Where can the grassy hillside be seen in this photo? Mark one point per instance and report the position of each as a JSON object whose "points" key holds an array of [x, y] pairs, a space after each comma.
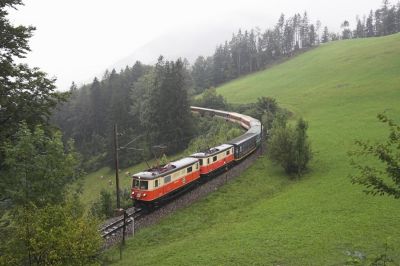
{"points": [[263, 217]]}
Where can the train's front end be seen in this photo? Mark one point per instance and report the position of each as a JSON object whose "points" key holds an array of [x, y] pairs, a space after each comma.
{"points": [[141, 187]]}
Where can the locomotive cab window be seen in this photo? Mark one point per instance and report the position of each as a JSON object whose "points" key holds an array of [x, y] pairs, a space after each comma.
{"points": [[144, 185], [156, 183], [136, 183], [189, 169], [201, 161], [214, 158], [208, 160], [228, 152]]}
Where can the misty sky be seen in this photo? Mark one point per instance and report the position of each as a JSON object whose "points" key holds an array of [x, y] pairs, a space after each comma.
{"points": [[76, 40]]}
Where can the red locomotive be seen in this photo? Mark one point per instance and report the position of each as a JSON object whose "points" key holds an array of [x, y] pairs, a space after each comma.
{"points": [[155, 184], [215, 158]]}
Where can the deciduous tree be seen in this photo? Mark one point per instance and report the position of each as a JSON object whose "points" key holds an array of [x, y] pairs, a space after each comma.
{"points": [[290, 146], [377, 164]]}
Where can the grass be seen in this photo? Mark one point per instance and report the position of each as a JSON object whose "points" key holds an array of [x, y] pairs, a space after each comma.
{"points": [[265, 218]]}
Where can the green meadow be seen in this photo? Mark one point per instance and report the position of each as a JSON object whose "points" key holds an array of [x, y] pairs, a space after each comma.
{"points": [[266, 218]]}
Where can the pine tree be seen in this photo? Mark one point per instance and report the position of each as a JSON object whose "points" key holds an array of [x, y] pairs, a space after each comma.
{"points": [[359, 32], [370, 32], [305, 31], [325, 36], [313, 35], [346, 33], [166, 114]]}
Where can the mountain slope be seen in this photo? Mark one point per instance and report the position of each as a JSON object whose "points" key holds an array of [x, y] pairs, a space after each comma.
{"points": [[265, 218]]}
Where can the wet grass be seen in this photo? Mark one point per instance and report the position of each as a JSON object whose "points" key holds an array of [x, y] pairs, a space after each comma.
{"points": [[266, 218]]}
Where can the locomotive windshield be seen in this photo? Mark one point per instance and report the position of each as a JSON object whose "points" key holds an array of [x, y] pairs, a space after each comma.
{"points": [[140, 184]]}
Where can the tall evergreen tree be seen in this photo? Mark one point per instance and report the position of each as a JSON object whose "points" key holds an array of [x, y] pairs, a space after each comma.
{"points": [[325, 35], [346, 33], [359, 31], [202, 73], [313, 35], [166, 114], [305, 31], [370, 31]]}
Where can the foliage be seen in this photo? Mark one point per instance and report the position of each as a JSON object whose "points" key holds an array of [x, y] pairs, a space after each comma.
{"points": [[210, 99], [202, 74], [103, 208], [382, 177], [213, 133], [26, 94], [92, 110], [289, 146], [105, 205], [52, 235], [37, 168], [165, 114]]}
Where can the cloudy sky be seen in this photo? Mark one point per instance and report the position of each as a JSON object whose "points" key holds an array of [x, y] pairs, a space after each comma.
{"points": [[76, 40]]}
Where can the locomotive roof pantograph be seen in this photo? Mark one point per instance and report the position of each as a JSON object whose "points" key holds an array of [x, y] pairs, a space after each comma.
{"points": [[166, 169], [212, 151]]}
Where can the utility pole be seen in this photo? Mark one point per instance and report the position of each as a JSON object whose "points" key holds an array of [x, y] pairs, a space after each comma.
{"points": [[116, 163], [262, 138]]}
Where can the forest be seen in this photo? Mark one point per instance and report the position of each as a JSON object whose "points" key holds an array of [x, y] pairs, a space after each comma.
{"points": [[142, 99]]}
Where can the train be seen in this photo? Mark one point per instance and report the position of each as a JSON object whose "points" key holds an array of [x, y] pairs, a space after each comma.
{"points": [[156, 185]]}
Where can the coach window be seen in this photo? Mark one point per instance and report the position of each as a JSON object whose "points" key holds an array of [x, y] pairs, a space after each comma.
{"points": [[197, 166], [208, 160], [214, 158], [201, 161], [227, 152], [156, 183], [144, 185], [189, 169]]}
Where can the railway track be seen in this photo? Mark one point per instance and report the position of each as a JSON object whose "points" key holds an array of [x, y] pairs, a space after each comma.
{"points": [[114, 228]]}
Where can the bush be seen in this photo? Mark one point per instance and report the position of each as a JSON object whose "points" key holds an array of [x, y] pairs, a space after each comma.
{"points": [[105, 206], [210, 99], [290, 146]]}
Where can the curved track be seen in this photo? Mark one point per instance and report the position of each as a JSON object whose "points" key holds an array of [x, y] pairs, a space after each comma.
{"points": [[253, 126]]}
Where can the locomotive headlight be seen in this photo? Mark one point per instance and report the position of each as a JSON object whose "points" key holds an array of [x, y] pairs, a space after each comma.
{"points": [[144, 195]]}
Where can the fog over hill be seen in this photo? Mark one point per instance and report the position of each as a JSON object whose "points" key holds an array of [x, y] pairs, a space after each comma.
{"points": [[186, 44], [78, 40], [192, 42]]}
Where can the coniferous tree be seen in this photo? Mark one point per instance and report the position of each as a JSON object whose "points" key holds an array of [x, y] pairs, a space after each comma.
{"points": [[359, 31], [325, 36], [370, 31], [165, 113], [313, 35], [346, 33], [305, 31], [202, 73]]}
